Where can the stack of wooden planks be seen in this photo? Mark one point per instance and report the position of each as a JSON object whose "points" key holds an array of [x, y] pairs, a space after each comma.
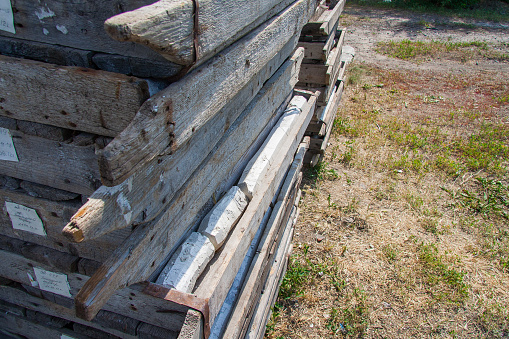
{"points": [[149, 186], [323, 70]]}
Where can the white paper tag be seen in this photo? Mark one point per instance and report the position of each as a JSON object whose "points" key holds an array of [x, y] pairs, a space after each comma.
{"points": [[52, 282], [7, 150], [24, 218], [6, 17]]}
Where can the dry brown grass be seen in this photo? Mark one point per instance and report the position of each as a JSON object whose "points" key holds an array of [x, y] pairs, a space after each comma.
{"points": [[386, 245]]}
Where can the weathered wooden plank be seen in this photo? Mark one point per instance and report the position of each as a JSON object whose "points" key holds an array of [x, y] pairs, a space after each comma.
{"points": [[136, 259], [324, 74], [317, 50], [52, 163], [54, 216], [77, 24], [324, 25], [128, 302], [33, 330], [49, 53], [217, 280], [75, 98], [223, 316], [186, 32], [151, 189], [262, 311], [172, 116], [65, 56], [239, 320]]}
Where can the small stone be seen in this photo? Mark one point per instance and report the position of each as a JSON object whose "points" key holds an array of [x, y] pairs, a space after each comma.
{"points": [[319, 237]]}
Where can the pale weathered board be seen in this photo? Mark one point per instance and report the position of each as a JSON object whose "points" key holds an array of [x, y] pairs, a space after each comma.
{"points": [[170, 118], [262, 311], [216, 281], [75, 98], [187, 31], [54, 216], [52, 163], [151, 189], [317, 50], [324, 74], [325, 24], [77, 24], [141, 254], [128, 302], [259, 269]]}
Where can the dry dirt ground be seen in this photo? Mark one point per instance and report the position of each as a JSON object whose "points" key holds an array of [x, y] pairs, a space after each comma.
{"points": [[403, 230]]}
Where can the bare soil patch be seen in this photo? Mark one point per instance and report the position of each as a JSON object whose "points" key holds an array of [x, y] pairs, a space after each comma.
{"points": [[404, 228]]}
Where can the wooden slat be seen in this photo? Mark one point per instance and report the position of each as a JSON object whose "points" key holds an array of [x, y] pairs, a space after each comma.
{"points": [[66, 56], [190, 37], [216, 282], [77, 24], [56, 164], [318, 50], [146, 192], [76, 98], [170, 118], [324, 25], [54, 216], [258, 270], [128, 302], [262, 311], [149, 244]]}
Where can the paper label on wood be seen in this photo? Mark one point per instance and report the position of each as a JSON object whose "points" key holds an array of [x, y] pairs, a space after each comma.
{"points": [[52, 282], [25, 218], [6, 17], [7, 150]]}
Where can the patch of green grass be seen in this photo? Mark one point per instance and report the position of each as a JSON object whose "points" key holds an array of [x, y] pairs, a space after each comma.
{"points": [[486, 150], [294, 281], [445, 283], [322, 171], [350, 320], [390, 252], [407, 49]]}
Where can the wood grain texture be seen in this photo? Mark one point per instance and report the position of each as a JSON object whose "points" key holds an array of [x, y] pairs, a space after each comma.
{"points": [[216, 281], [75, 98], [169, 119], [129, 302], [67, 56], [172, 29], [151, 189], [261, 313], [52, 163], [77, 24], [260, 265], [140, 255], [55, 215]]}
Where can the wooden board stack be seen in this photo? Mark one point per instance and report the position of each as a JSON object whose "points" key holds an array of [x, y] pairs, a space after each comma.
{"points": [[323, 70], [135, 174]]}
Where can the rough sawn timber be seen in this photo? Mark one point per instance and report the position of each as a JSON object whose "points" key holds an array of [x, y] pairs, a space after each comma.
{"points": [[76, 98], [53, 163], [130, 302], [187, 31], [150, 190], [138, 257], [170, 118], [77, 24], [215, 283], [54, 215]]}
